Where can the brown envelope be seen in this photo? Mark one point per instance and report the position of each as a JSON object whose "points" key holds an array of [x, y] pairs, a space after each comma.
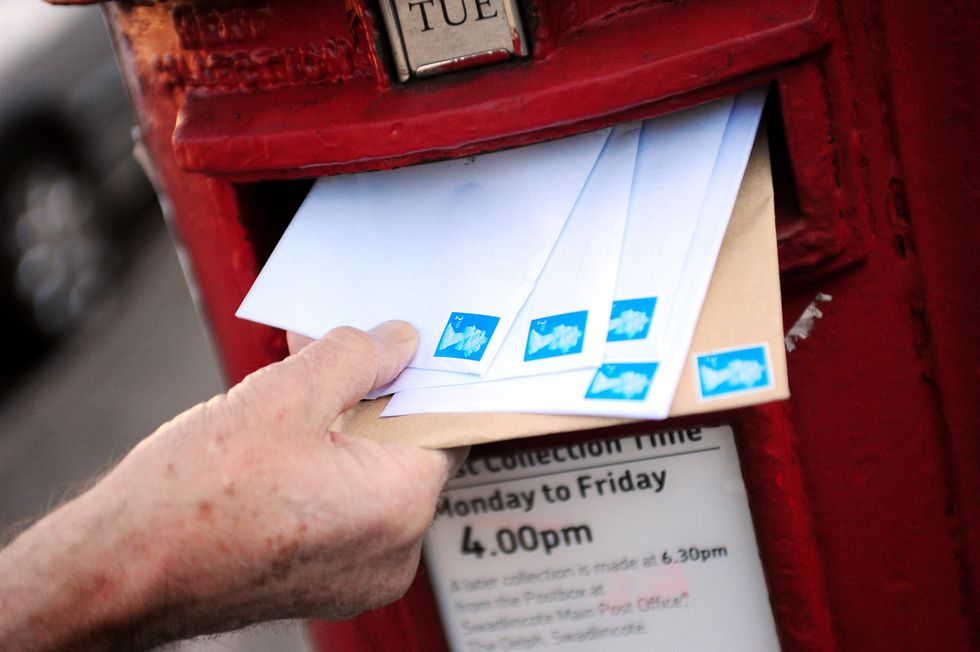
{"points": [[742, 308]]}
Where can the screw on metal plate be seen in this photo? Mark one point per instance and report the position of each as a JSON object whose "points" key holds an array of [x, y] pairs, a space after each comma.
{"points": [[429, 37]]}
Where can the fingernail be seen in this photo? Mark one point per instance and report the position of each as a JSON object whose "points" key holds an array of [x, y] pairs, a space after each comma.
{"points": [[396, 333]]}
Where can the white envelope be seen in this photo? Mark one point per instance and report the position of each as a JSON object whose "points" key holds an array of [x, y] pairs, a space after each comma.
{"points": [[726, 179], [454, 247], [674, 166], [643, 387], [564, 323]]}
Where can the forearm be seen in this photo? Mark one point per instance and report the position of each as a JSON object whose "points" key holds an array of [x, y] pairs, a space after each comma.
{"points": [[132, 563], [78, 579]]}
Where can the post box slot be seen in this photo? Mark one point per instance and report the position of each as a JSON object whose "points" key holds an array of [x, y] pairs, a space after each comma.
{"points": [[591, 63], [783, 182], [805, 179], [266, 207]]}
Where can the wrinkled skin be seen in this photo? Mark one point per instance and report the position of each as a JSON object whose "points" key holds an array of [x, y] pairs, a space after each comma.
{"points": [[243, 509]]}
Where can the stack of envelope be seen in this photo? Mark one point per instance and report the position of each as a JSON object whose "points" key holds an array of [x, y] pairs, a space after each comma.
{"points": [[563, 278]]}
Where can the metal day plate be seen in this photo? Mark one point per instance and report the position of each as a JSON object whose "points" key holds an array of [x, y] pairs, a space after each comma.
{"points": [[433, 36]]}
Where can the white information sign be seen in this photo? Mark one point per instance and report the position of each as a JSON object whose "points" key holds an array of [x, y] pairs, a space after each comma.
{"points": [[638, 543]]}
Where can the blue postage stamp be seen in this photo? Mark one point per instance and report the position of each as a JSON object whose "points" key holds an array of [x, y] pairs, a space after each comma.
{"points": [[624, 381], [733, 371], [556, 335], [466, 336], [630, 319]]}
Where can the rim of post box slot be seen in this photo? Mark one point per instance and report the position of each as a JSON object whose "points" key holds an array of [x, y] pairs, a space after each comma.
{"points": [[586, 83]]}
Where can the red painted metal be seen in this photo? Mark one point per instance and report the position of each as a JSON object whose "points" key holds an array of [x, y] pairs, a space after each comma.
{"points": [[865, 486]]}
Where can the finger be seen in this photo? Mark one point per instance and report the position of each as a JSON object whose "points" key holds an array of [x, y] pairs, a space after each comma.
{"points": [[296, 342], [440, 464], [454, 460], [341, 367], [399, 341], [445, 463]]}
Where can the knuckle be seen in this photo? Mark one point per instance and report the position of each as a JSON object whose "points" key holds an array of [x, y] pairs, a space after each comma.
{"points": [[351, 341], [352, 352], [399, 573], [376, 581], [401, 579], [416, 518], [402, 519]]}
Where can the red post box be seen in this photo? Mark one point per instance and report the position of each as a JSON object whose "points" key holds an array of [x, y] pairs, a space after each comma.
{"points": [[864, 488]]}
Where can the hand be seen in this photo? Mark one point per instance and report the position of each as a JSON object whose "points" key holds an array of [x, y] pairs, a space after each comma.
{"points": [[243, 509]]}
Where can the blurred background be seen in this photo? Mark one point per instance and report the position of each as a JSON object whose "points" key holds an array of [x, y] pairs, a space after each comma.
{"points": [[102, 343]]}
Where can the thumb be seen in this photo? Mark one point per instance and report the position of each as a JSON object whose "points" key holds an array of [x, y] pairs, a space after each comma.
{"points": [[339, 369]]}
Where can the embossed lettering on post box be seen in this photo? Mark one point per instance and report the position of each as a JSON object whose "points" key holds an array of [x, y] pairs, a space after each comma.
{"points": [[432, 36]]}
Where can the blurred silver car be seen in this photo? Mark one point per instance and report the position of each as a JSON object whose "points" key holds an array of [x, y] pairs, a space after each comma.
{"points": [[67, 177]]}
